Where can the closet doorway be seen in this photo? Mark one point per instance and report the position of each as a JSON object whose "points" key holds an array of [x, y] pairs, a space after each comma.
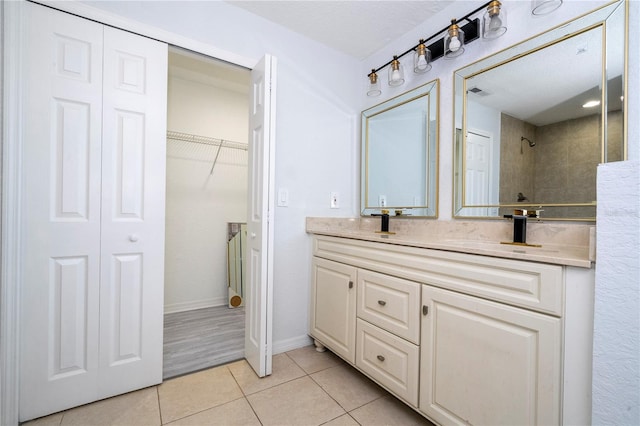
{"points": [[206, 203]]}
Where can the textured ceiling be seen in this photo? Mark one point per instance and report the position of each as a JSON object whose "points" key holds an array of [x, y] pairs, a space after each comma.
{"points": [[355, 27]]}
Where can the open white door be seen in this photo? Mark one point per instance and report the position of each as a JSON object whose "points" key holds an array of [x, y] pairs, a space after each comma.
{"points": [[259, 272]]}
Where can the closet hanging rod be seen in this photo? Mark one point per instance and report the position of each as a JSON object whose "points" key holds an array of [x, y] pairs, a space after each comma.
{"points": [[205, 140]]}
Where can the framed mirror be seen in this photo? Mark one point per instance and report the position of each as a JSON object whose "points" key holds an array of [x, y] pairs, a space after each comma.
{"points": [[400, 154], [532, 122]]}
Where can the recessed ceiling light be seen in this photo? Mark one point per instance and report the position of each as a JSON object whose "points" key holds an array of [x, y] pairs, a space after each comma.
{"points": [[591, 104]]}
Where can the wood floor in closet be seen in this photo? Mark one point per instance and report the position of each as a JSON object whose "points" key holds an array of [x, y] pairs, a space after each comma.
{"points": [[202, 338]]}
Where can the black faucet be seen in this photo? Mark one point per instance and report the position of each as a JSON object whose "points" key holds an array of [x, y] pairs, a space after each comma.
{"points": [[384, 222], [519, 228]]}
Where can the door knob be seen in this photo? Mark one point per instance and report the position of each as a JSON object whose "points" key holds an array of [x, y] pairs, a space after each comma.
{"points": [[133, 238]]}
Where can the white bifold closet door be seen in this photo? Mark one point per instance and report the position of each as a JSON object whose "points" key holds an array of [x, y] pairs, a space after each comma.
{"points": [[93, 163]]}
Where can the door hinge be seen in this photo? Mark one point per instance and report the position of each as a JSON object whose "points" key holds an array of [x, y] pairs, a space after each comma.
{"points": [[425, 310]]}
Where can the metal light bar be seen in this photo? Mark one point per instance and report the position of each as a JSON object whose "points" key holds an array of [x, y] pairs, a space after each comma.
{"points": [[471, 30]]}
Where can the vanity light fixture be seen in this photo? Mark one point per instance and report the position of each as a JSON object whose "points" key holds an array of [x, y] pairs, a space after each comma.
{"points": [[374, 84], [421, 58], [453, 41], [448, 43], [396, 73], [544, 7], [494, 20]]}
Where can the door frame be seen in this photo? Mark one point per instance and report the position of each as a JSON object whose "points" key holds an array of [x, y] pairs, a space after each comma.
{"points": [[11, 256]]}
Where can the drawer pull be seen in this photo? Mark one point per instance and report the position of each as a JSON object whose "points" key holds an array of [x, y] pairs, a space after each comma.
{"points": [[380, 358], [381, 302], [425, 310], [350, 284]]}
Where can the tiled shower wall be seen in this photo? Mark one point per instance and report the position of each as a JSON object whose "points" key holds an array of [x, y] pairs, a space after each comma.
{"points": [[561, 167]]}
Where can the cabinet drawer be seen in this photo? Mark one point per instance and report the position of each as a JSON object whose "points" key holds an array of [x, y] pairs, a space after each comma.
{"points": [[388, 359], [390, 303]]}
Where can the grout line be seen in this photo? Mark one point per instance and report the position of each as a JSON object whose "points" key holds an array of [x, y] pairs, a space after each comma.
{"points": [[159, 406]]}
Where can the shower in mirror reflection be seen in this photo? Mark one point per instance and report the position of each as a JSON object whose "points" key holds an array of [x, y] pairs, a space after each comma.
{"points": [[529, 141]]}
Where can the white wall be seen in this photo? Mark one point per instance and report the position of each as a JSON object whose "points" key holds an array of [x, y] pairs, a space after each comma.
{"points": [[199, 205]]}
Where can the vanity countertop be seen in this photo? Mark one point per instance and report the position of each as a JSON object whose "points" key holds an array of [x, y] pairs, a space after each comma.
{"points": [[568, 244]]}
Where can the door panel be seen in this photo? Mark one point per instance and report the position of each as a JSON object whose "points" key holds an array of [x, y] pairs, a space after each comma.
{"points": [[133, 211], [126, 296], [61, 200], [68, 330], [259, 266], [71, 185]]}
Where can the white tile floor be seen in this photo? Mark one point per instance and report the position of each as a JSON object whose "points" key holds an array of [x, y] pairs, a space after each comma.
{"points": [[306, 388]]}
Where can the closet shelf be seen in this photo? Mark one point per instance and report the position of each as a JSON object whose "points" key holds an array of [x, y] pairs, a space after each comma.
{"points": [[205, 140]]}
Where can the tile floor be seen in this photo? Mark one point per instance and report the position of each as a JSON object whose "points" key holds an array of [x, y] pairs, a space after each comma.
{"points": [[306, 388]]}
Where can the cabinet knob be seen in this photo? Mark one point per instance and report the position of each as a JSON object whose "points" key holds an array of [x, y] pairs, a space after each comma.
{"points": [[425, 310], [380, 358], [133, 238], [381, 302], [350, 284], [253, 235]]}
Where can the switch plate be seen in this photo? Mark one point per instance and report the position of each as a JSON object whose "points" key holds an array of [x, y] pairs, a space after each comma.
{"points": [[283, 197], [335, 200]]}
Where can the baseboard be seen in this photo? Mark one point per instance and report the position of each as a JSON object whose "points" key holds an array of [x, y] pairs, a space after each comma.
{"points": [[195, 304], [291, 344]]}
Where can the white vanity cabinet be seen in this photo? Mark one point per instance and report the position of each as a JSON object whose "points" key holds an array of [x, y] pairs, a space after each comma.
{"points": [[462, 338]]}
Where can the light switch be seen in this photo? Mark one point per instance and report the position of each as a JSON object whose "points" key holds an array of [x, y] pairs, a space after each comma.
{"points": [[335, 200], [283, 197]]}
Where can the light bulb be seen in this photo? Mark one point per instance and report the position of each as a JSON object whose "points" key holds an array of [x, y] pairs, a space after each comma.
{"points": [[422, 63], [421, 58], [454, 44], [495, 23], [396, 75]]}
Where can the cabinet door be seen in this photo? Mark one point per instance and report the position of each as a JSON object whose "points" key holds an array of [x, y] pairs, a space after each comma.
{"points": [[333, 307], [485, 363]]}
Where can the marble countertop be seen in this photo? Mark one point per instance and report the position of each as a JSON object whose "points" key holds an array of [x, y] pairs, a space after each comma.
{"points": [[561, 244]]}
